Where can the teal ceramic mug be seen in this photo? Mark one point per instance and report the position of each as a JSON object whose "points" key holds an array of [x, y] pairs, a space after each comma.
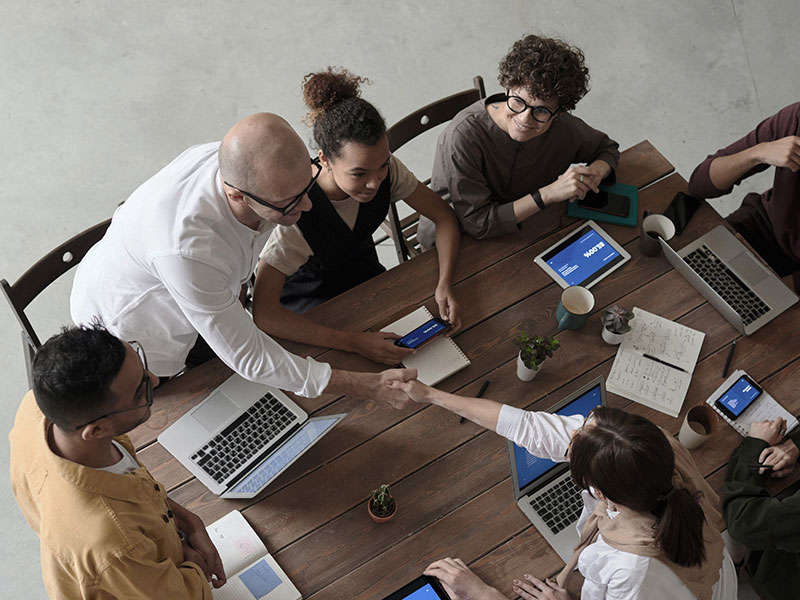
{"points": [[576, 304]]}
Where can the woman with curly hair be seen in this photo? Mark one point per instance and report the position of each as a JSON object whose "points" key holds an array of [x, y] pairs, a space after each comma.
{"points": [[504, 159], [649, 527], [330, 249]]}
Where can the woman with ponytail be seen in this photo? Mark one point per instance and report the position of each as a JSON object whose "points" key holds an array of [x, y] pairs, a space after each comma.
{"points": [[330, 249], [649, 527]]}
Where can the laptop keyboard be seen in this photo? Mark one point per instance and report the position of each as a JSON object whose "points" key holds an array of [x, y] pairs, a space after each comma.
{"points": [[559, 506], [730, 288], [244, 438]]}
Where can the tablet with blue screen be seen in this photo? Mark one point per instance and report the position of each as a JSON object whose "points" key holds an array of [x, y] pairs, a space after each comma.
{"points": [[583, 257], [422, 588]]}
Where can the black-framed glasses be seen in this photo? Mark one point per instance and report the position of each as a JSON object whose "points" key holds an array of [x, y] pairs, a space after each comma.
{"points": [[147, 383], [295, 200], [541, 114]]}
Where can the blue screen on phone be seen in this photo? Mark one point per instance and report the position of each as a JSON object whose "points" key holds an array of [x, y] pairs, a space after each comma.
{"points": [[422, 334], [739, 396]]}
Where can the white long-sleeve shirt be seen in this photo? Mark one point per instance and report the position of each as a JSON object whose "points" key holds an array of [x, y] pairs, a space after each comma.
{"points": [[609, 574], [171, 266]]}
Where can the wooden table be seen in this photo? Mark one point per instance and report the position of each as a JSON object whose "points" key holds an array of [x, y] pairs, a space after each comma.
{"points": [[451, 480]]}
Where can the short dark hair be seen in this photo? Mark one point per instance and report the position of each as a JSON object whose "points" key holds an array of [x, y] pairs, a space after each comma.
{"points": [[337, 113], [72, 373], [630, 460], [547, 69]]}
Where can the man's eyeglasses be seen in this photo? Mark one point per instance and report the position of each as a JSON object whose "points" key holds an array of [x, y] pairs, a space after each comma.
{"points": [[541, 114], [146, 383], [288, 208]]}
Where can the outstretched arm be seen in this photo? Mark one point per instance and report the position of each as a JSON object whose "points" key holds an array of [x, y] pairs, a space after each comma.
{"points": [[276, 320], [448, 238]]}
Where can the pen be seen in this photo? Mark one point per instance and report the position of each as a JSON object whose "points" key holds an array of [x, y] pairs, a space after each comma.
{"points": [[663, 362], [728, 360], [478, 395]]}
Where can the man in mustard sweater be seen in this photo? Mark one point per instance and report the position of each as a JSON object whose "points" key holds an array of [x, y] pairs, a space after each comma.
{"points": [[107, 528]]}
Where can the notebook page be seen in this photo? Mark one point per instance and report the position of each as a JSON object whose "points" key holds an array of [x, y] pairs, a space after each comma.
{"points": [[648, 382], [238, 545], [262, 580], [670, 341], [436, 360]]}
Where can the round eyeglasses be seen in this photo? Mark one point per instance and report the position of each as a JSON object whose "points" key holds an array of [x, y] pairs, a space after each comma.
{"points": [[288, 208], [541, 114], [146, 384]]}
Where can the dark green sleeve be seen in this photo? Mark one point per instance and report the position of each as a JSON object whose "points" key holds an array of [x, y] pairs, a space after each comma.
{"points": [[753, 517]]}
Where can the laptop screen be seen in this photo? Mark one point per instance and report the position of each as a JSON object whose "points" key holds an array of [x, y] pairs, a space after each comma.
{"points": [[530, 467], [305, 437]]}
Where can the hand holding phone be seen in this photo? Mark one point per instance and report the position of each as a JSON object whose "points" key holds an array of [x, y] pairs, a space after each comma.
{"points": [[423, 334]]}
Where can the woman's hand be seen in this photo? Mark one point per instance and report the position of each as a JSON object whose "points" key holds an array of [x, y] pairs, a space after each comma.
{"points": [[449, 310], [460, 582], [380, 347], [414, 389], [535, 589]]}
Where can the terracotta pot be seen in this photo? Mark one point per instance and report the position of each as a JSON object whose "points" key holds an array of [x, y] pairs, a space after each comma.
{"points": [[378, 519], [523, 372], [609, 337]]}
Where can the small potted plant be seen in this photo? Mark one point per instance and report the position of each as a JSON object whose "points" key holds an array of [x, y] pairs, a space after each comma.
{"points": [[533, 350], [615, 324], [381, 504]]}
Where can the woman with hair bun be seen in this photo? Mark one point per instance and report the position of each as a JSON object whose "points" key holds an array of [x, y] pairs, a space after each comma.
{"points": [[649, 528], [330, 249]]}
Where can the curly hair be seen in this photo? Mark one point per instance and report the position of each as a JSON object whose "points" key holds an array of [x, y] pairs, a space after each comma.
{"points": [[72, 372], [546, 68], [337, 113]]}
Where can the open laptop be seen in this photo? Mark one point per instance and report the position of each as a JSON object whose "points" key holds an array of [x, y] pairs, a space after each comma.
{"points": [[544, 489], [733, 281], [240, 438]]}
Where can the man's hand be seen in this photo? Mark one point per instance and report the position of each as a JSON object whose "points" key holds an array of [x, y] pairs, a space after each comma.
{"points": [[784, 152], [449, 309], [572, 184], [771, 432], [379, 346], [197, 546], [781, 458], [459, 582], [535, 589], [416, 390], [372, 386]]}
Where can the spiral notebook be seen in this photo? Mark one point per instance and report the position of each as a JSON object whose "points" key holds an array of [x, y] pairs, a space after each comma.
{"points": [[765, 408], [252, 573], [436, 360]]}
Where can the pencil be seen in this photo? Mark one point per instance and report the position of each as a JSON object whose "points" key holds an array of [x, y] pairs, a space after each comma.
{"points": [[728, 360]]}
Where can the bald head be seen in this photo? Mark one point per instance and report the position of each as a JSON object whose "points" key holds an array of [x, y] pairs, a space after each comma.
{"points": [[259, 148]]}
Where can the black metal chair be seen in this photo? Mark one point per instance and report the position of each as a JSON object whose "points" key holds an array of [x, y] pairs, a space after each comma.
{"points": [[36, 279], [404, 231]]}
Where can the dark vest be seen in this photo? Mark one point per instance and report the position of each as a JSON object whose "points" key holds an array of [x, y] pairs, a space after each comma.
{"points": [[342, 258]]}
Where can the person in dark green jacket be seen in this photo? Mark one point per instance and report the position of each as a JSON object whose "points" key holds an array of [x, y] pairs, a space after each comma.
{"points": [[769, 527]]}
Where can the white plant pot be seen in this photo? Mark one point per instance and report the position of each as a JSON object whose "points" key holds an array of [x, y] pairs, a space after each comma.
{"points": [[609, 337], [523, 372]]}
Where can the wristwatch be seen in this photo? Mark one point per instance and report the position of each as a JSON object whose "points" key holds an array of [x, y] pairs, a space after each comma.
{"points": [[537, 197]]}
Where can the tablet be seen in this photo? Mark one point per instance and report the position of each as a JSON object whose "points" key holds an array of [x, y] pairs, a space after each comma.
{"points": [[422, 588], [583, 257]]}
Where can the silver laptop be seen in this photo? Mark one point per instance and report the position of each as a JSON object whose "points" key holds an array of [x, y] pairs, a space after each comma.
{"points": [[240, 438], [733, 281], [544, 489]]}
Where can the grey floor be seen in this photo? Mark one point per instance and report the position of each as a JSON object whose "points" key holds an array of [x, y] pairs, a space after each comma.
{"points": [[97, 96]]}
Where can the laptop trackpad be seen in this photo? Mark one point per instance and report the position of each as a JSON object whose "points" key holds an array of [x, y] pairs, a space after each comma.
{"points": [[215, 411], [749, 268]]}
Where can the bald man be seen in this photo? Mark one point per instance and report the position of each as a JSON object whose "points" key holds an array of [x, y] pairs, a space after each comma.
{"points": [[169, 271]]}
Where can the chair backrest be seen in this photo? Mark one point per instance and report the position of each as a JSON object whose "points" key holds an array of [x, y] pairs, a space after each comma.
{"points": [[403, 232], [36, 279]]}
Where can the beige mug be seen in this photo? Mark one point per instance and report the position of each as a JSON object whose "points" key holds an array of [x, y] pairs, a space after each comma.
{"points": [[700, 423]]}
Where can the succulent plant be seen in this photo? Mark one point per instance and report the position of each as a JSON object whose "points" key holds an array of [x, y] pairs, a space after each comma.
{"points": [[616, 319], [382, 502], [535, 349]]}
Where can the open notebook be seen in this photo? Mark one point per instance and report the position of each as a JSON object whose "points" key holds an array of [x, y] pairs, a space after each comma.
{"points": [[436, 360], [252, 573], [654, 364], [765, 408]]}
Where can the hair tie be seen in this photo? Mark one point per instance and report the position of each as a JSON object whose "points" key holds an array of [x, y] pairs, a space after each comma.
{"points": [[665, 496]]}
